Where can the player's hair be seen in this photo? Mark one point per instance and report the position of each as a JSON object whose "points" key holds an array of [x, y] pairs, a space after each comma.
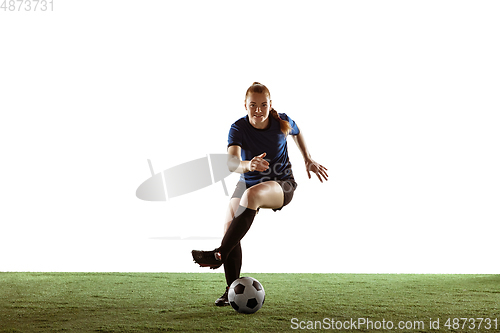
{"points": [[259, 88]]}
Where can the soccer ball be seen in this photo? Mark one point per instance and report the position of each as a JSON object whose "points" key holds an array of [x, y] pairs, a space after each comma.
{"points": [[246, 295]]}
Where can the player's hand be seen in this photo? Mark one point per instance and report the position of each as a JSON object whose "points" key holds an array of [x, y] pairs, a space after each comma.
{"points": [[318, 169], [258, 163]]}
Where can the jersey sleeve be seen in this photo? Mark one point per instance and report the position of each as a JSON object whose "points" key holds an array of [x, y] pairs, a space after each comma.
{"points": [[295, 130], [235, 136]]}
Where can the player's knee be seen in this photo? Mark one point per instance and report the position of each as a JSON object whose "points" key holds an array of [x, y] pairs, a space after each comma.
{"points": [[254, 195]]}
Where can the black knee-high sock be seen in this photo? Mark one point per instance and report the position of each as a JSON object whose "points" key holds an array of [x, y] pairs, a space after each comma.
{"points": [[242, 221], [232, 266]]}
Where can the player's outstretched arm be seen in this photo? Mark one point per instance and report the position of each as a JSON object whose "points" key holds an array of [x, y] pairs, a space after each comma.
{"points": [[235, 164], [311, 165]]}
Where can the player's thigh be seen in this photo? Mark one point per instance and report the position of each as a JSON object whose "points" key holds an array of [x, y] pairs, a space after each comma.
{"points": [[264, 195]]}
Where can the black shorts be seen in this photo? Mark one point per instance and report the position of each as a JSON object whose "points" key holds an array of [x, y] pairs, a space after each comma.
{"points": [[288, 186]]}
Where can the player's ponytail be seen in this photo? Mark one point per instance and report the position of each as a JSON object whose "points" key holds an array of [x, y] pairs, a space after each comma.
{"points": [[284, 125], [259, 88]]}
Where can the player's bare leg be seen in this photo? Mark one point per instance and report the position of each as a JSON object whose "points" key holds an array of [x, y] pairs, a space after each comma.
{"points": [[231, 209], [264, 195]]}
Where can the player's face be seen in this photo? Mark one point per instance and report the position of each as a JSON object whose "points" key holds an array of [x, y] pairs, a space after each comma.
{"points": [[258, 107]]}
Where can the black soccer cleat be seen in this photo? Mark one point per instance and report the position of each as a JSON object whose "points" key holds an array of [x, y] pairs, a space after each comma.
{"points": [[223, 300], [210, 259]]}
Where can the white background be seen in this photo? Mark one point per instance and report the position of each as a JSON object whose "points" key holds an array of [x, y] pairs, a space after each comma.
{"points": [[398, 99]]}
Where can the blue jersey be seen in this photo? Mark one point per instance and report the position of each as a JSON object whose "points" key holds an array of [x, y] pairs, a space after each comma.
{"points": [[270, 140]]}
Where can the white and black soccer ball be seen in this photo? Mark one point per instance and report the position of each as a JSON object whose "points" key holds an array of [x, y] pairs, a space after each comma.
{"points": [[246, 295]]}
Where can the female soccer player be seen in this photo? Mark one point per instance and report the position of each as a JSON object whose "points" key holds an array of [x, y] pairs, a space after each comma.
{"points": [[257, 145]]}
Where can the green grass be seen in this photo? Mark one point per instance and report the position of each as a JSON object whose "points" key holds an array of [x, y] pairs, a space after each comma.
{"points": [[153, 302]]}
